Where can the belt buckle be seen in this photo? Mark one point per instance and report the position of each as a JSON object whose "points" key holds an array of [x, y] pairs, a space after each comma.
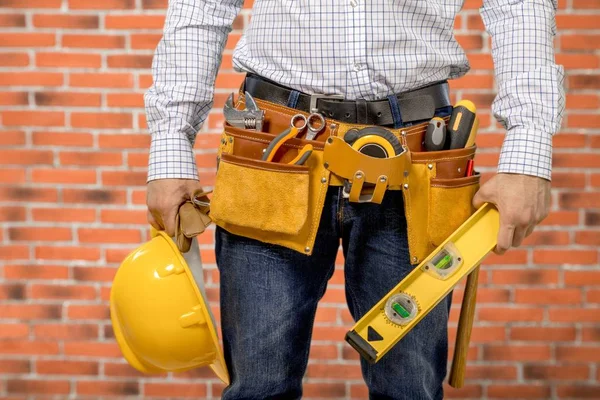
{"points": [[315, 97]]}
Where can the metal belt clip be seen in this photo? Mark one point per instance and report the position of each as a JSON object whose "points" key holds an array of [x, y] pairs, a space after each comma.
{"points": [[315, 97]]}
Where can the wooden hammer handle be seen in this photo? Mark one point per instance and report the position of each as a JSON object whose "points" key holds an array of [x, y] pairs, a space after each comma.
{"points": [[463, 335]]}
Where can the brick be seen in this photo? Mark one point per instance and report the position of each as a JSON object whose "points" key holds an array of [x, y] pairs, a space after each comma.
{"points": [[135, 217], [31, 272], [116, 255], [574, 315], [37, 386], [12, 175], [154, 4], [506, 314], [124, 178], [12, 291], [184, 390], [101, 120], [579, 42], [323, 352], [53, 292], [67, 253], [578, 61], [31, 79], [30, 3], [564, 160], [513, 352], [129, 61], [9, 366], [123, 370], [94, 274], [583, 22], [133, 22], [582, 101], [27, 39], [145, 41], [325, 390], [94, 196], [592, 218], [94, 158], [12, 214], [145, 81], [590, 334], [12, 21], [93, 41], [65, 332], [104, 5], [63, 176], [65, 214], [591, 238], [13, 60], [109, 235], [567, 180], [233, 81], [14, 252], [589, 121], [66, 21], [33, 118], [529, 391], [593, 296], [470, 42], [123, 141], [13, 99], [579, 391], [565, 257], [582, 278], [138, 159], [556, 372], [542, 334], [504, 372], [578, 353], [13, 330], [586, 4], [547, 296], [512, 256], [24, 347], [65, 367], [68, 99], [134, 100], [44, 138], [100, 80], [525, 276], [88, 312], [333, 371], [92, 349], [16, 193], [39, 234]]}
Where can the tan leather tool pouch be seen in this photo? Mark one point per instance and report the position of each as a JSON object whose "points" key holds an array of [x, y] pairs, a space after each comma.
{"points": [[438, 198], [273, 202]]}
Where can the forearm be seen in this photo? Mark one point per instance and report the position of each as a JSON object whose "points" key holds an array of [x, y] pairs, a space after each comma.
{"points": [[530, 100], [184, 69]]}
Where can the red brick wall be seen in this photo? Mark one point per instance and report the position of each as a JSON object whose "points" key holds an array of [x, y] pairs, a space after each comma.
{"points": [[73, 156]]}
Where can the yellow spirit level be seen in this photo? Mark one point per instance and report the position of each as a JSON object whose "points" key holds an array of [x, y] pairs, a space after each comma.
{"points": [[405, 305]]}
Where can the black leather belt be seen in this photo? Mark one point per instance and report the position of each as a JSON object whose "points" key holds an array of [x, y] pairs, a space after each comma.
{"points": [[416, 105]]}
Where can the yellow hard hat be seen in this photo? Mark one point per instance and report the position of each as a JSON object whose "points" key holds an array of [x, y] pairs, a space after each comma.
{"points": [[159, 313]]}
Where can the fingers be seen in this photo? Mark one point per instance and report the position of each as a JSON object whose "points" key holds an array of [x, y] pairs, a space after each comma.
{"points": [[519, 235], [505, 238], [152, 221], [169, 221]]}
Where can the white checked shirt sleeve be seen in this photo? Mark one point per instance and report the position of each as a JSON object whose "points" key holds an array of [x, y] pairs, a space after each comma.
{"points": [[185, 66], [530, 100]]}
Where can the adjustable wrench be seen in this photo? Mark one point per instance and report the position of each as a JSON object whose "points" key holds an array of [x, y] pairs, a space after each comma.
{"points": [[249, 118]]}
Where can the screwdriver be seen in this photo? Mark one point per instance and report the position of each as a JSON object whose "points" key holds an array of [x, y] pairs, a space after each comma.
{"points": [[435, 135], [463, 125]]}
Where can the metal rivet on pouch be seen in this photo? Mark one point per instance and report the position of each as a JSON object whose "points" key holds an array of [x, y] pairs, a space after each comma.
{"points": [[403, 133], [358, 175], [430, 166], [332, 126], [383, 179], [222, 141], [458, 169], [323, 180], [230, 140], [326, 165], [415, 259], [406, 186], [307, 249], [329, 140]]}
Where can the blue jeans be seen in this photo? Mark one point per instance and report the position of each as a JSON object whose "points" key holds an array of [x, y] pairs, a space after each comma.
{"points": [[269, 296]]}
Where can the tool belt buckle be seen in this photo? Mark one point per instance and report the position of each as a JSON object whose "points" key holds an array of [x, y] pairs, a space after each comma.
{"points": [[315, 97]]}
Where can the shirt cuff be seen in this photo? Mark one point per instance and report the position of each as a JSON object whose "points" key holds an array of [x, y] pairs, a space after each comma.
{"points": [[171, 157], [526, 152]]}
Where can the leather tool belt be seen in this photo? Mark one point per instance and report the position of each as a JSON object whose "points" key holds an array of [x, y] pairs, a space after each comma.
{"points": [[416, 105], [279, 202]]}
